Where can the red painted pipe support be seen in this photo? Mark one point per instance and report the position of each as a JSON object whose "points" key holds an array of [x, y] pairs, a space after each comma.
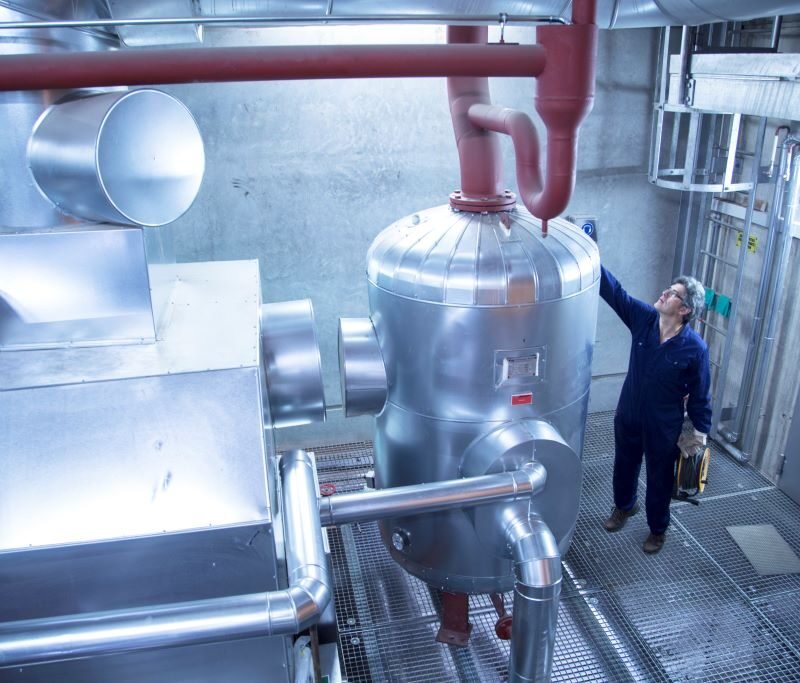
{"points": [[61, 71]]}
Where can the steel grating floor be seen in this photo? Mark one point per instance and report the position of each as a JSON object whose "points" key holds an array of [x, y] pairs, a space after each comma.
{"points": [[697, 611]]}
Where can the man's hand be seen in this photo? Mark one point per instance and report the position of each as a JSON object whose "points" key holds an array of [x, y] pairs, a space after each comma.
{"points": [[691, 442]]}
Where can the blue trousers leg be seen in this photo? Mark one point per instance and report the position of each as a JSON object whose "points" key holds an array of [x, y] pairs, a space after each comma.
{"points": [[628, 448], [660, 477]]}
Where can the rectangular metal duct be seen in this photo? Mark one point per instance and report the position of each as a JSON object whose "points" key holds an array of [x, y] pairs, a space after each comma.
{"points": [[135, 475], [83, 285]]}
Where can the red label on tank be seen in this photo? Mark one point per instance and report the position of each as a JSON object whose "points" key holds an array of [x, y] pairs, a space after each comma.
{"points": [[522, 399]]}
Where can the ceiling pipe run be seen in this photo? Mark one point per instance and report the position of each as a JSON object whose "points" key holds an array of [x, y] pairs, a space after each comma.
{"points": [[565, 94], [611, 13], [207, 65]]}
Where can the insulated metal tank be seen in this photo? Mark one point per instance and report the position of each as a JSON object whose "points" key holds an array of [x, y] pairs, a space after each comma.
{"points": [[482, 323]]}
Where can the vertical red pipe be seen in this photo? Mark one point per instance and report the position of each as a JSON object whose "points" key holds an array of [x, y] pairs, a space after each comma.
{"points": [[564, 96], [478, 148]]}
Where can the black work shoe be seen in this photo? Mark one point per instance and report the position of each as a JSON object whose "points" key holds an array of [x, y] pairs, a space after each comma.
{"points": [[618, 518], [653, 544]]}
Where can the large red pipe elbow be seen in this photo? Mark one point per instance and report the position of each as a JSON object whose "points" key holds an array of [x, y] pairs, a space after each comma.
{"points": [[564, 97], [565, 94], [526, 144]]}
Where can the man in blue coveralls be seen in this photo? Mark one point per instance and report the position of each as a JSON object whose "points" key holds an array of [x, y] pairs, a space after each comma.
{"points": [[668, 363]]}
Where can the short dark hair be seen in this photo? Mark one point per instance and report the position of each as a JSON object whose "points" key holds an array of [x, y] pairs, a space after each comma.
{"points": [[695, 297]]}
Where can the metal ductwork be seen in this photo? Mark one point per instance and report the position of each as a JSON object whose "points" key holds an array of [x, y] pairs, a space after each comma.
{"points": [[361, 370], [181, 21], [610, 13], [132, 158], [537, 569], [296, 395], [280, 612]]}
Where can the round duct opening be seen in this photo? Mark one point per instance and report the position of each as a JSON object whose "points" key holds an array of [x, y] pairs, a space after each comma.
{"points": [[134, 157]]}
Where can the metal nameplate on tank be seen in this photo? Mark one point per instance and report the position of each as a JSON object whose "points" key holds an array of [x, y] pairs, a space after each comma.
{"points": [[520, 366]]}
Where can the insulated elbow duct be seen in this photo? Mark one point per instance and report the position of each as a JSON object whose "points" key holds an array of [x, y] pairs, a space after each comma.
{"points": [[537, 571], [309, 586], [280, 612]]}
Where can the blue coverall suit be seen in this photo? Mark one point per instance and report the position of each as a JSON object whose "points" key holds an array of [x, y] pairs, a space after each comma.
{"points": [[649, 414]]}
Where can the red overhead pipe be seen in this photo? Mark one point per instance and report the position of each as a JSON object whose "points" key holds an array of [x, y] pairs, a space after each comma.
{"points": [[61, 71], [565, 94]]}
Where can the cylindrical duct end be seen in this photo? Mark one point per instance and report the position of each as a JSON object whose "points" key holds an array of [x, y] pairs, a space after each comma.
{"points": [[361, 369], [124, 157], [292, 362], [537, 568]]}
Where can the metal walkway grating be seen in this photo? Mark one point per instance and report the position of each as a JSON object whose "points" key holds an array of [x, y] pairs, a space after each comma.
{"points": [[696, 611]]}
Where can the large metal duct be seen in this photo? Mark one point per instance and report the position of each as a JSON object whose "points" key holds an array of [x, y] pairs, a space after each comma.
{"points": [[148, 23], [610, 13], [134, 157], [22, 205]]}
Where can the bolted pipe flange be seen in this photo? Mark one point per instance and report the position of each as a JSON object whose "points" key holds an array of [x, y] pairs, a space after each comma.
{"points": [[501, 202]]}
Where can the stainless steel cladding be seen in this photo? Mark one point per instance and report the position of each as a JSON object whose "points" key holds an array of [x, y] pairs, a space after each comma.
{"points": [[481, 321], [77, 286], [133, 476], [132, 157]]}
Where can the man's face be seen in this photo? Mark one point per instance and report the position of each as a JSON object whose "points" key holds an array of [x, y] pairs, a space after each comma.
{"points": [[672, 300]]}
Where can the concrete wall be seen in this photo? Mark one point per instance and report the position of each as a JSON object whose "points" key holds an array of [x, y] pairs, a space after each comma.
{"points": [[303, 176]]}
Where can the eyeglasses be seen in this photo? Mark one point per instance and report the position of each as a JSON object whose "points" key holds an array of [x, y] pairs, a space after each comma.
{"points": [[673, 292]]}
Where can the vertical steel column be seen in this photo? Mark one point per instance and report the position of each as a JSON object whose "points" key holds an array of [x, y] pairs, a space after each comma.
{"points": [[789, 206], [726, 354]]}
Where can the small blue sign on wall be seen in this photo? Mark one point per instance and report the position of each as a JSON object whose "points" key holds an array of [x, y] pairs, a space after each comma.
{"points": [[586, 223]]}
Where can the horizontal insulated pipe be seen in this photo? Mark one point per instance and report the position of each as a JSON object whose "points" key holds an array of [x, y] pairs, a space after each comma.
{"points": [[206, 65], [345, 508], [281, 612]]}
